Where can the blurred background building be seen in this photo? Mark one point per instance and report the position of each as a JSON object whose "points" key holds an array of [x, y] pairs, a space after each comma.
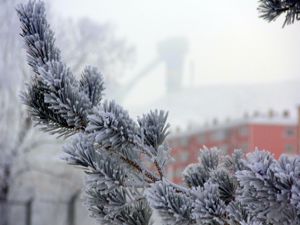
{"points": [[277, 133]]}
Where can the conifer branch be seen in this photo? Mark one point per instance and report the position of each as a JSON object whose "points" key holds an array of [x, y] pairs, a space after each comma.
{"points": [[137, 167], [109, 145], [270, 10]]}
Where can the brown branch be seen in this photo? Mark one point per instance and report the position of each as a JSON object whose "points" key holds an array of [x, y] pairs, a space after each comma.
{"points": [[152, 178], [159, 170], [157, 166]]}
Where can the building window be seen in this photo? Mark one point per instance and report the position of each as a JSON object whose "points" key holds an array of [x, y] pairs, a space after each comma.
{"points": [[290, 132], [219, 135], [244, 131], [201, 138], [290, 149]]}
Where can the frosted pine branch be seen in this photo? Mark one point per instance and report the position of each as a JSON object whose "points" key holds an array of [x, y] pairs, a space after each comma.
{"points": [[108, 144], [115, 152], [270, 10]]}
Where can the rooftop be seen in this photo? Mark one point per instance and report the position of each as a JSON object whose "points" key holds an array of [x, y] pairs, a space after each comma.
{"points": [[261, 119], [200, 105]]}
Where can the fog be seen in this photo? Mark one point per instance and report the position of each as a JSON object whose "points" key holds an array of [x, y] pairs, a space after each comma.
{"points": [[228, 44]]}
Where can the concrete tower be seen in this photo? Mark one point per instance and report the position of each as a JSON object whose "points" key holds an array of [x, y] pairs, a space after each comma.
{"points": [[173, 53]]}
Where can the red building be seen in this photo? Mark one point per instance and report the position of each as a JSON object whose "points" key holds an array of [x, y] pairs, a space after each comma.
{"points": [[277, 134]]}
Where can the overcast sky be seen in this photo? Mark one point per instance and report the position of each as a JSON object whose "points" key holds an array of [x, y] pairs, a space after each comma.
{"points": [[228, 43]]}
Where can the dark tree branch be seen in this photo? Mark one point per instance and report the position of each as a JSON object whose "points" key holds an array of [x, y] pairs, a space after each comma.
{"points": [[270, 10]]}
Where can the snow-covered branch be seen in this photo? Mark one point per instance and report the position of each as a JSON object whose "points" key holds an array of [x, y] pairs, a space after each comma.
{"points": [[115, 152]]}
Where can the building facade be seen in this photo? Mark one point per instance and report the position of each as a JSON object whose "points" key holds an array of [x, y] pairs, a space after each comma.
{"points": [[277, 134]]}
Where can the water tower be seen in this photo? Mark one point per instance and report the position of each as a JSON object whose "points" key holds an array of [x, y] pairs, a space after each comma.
{"points": [[173, 53]]}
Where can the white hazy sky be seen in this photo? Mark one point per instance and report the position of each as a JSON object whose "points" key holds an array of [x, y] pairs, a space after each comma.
{"points": [[228, 43]]}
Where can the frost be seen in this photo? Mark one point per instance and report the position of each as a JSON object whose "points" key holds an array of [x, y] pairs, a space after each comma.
{"points": [[124, 159]]}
